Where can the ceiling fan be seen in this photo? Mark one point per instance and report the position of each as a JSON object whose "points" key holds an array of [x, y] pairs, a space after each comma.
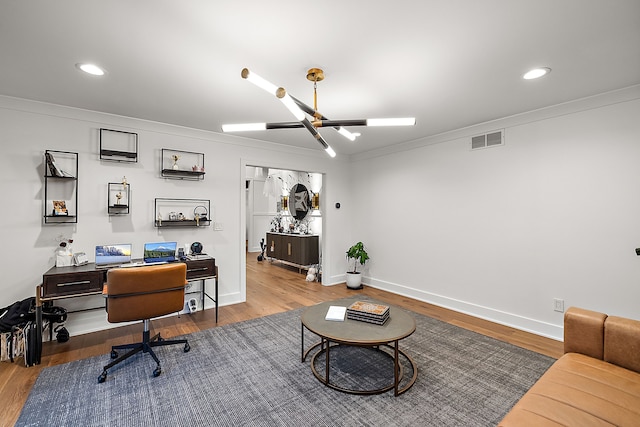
{"points": [[298, 109]]}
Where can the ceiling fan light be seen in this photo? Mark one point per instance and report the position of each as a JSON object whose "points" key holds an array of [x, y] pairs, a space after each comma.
{"points": [[292, 106], [330, 151], [350, 136], [259, 81], [243, 127], [403, 121]]}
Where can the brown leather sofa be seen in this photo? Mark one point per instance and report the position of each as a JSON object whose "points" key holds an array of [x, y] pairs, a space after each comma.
{"points": [[595, 383]]}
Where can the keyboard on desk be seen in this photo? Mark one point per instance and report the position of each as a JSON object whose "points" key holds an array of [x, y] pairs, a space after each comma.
{"points": [[143, 264]]}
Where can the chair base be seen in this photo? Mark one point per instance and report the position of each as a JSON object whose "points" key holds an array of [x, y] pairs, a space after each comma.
{"points": [[146, 346]]}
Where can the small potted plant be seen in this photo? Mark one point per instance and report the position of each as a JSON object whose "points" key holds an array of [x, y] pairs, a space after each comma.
{"points": [[359, 256]]}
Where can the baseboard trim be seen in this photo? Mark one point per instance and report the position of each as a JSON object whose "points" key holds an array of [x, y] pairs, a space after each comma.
{"points": [[512, 320]]}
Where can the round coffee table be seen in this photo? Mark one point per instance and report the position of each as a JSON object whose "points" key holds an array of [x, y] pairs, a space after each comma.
{"points": [[362, 334]]}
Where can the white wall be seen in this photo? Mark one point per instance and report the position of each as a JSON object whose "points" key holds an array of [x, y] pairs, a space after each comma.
{"points": [[28, 128], [497, 233], [501, 232]]}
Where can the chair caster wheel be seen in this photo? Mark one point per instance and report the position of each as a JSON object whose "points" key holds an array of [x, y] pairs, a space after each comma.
{"points": [[114, 354], [157, 371], [187, 347], [103, 377]]}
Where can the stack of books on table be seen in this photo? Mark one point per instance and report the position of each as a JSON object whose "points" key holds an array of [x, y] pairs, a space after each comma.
{"points": [[368, 312]]}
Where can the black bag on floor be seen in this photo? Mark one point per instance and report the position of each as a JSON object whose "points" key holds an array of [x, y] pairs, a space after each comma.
{"points": [[18, 313], [32, 344]]}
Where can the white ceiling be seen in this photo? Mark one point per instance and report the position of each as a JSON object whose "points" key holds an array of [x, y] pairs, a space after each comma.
{"points": [[449, 63]]}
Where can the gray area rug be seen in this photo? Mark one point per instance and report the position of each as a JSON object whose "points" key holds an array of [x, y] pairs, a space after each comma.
{"points": [[250, 374]]}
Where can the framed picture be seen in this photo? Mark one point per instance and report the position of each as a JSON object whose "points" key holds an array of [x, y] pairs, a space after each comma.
{"points": [[60, 207]]}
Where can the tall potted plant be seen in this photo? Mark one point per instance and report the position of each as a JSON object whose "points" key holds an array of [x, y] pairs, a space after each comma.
{"points": [[359, 255]]}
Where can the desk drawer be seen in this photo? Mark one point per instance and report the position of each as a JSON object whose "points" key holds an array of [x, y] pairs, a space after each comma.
{"points": [[70, 284], [200, 268]]}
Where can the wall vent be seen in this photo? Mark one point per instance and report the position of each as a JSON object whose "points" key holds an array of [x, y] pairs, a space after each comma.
{"points": [[491, 139]]}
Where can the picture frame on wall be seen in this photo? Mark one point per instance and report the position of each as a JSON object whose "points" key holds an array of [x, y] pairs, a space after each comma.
{"points": [[60, 208]]}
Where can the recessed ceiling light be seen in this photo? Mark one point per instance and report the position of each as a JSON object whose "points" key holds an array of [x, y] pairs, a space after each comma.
{"points": [[536, 73], [91, 69]]}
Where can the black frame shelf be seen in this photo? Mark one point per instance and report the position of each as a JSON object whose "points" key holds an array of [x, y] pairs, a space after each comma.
{"points": [[128, 141], [196, 169], [116, 208], [166, 207], [60, 178]]}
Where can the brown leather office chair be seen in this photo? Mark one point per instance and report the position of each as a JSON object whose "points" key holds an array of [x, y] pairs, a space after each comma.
{"points": [[142, 293]]}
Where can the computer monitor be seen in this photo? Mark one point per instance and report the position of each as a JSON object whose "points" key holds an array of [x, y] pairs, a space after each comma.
{"points": [[110, 255], [160, 252]]}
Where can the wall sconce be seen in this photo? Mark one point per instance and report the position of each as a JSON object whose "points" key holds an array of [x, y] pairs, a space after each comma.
{"points": [[285, 203], [315, 201]]}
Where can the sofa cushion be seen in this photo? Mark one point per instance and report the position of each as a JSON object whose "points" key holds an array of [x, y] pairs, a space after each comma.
{"points": [[622, 342], [578, 390], [584, 332]]}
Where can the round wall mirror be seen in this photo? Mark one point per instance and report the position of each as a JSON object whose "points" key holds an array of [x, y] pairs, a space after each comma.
{"points": [[299, 202]]}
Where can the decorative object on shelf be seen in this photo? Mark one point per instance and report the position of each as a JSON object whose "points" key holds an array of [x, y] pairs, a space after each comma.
{"points": [[118, 146], [200, 214], [172, 169], [359, 255], [59, 208], [54, 170], [175, 159], [60, 179], [298, 109]]}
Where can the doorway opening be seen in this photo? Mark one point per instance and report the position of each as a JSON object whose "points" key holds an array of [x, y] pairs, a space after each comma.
{"points": [[284, 203]]}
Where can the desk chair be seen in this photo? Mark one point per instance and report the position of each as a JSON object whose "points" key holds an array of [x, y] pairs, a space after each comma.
{"points": [[142, 293]]}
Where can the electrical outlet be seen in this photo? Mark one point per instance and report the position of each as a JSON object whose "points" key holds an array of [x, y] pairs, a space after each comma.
{"points": [[558, 305], [217, 226]]}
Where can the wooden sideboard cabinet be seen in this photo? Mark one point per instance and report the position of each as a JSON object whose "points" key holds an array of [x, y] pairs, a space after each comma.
{"points": [[299, 249]]}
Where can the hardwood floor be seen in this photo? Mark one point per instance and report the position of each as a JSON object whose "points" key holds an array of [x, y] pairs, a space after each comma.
{"points": [[271, 288]]}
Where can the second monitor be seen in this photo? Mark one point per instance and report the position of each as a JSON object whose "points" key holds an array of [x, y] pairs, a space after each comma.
{"points": [[160, 252]]}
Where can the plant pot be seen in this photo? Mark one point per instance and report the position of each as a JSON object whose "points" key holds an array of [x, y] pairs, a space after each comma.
{"points": [[354, 280]]}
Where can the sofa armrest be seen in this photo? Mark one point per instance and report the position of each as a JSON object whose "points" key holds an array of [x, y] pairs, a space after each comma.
{"points": [[584, 332], [622, 342]]}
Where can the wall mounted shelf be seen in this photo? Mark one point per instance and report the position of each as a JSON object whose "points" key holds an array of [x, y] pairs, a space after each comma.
{"points": [[60, 187], [118, 146], [118, 198], [177, 164], [170, 212]]}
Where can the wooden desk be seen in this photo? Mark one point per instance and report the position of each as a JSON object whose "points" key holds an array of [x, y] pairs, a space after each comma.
{"points": [[78, 281]]}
